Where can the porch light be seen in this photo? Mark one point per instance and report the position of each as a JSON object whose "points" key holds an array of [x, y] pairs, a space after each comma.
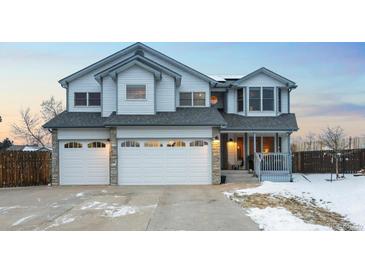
{"points": [[216, 138], [213, 100]]}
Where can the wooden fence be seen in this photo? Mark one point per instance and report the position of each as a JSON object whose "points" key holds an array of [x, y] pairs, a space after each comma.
{"points": [[320, 161], [24, 168]]}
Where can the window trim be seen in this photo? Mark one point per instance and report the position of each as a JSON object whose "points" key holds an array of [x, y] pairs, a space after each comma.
{"points": [[273, 99], [192, 99], [134, 99], [87, 99], [81, 92], [249, 99], [240, 103]]}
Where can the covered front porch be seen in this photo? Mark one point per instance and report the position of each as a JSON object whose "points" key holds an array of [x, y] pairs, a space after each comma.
{"points": [[264, 154]]}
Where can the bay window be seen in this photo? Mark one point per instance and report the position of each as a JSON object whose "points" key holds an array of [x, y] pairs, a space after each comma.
{"points": [[268, 99], [255, 99]]}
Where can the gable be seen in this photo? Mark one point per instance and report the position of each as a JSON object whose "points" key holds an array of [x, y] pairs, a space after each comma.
{"points": [[265, 75], [133, 50]]}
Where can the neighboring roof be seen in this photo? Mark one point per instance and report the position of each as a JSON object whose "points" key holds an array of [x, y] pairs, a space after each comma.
{"points": [[223, 78], [16, 148], [77, 120], [269, 73], [141, 61], [284, 122], [27, 148], [182, 117], [137, 47]]}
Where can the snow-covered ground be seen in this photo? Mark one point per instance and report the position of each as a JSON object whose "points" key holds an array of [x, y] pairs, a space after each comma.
{"points": [[346, 197]]}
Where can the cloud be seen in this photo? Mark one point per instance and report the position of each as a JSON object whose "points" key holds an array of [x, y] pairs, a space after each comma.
{"points": [[344, 109]]}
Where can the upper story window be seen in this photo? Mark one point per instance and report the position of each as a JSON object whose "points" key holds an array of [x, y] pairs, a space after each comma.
{"points": [[240, 100], [188, 99], [255, 99], [83, 99], [136, 92], [279, 99], [80, 98], [94, 98], [268, 99]]}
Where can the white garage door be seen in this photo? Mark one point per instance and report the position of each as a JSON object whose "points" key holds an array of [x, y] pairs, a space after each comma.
{"points": [[84, 163], [164, 162]]}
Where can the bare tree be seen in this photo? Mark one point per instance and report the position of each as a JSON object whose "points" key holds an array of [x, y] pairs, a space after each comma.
{"points": [[30, 129], [310, 141], [51, 108], [333, 139]]}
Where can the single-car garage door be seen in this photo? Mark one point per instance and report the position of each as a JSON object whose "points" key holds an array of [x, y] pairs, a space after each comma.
{"points": [[164, 162], [84, 162]]}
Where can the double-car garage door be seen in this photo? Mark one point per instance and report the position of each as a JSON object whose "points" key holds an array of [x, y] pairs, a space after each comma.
{"points": [[140, 162], [164, 162]]}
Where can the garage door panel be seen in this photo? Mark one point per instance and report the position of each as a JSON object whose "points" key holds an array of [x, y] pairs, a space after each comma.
{"points": [[164, 165], [84, 166]]}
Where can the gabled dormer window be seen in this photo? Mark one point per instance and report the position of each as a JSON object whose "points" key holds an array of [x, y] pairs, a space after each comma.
{"points": [[189, 99], [84, 99], [240, 100], [255, 99]]}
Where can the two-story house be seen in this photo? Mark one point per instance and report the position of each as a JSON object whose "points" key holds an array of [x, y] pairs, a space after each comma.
{"points": [[141, 117]]}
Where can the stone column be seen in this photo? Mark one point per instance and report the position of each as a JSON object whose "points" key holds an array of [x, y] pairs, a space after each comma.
{"points": [[216, 161], [113, 158], [55, 159]]}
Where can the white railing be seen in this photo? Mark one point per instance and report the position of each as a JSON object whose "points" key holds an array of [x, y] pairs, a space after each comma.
{"points": [[274, 167]]}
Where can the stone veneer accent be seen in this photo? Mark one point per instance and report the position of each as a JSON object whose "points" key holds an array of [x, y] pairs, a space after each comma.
{"points": [[216, 162], [55, 159], [113, 161]]}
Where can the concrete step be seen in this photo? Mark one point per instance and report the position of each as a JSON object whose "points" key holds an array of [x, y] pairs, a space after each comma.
{"points": [[239, 176]]}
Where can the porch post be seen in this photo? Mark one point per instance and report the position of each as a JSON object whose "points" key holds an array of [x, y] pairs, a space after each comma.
{"points": [[276, 142], [254, 143], [246, 150]]}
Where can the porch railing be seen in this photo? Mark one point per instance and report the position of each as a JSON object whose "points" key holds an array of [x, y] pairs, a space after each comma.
{"points": [[274, 167]]}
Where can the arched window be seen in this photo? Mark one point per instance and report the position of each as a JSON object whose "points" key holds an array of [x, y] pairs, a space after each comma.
{"points": [[73, 145], [152, 143], [198, 143], [96, 145], [129, 144], [176, 143]]}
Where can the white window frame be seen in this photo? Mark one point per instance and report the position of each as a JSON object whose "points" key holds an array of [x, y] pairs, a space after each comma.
{"points": [[87, 99], [192, 99], [141, 99], [261, 99]]}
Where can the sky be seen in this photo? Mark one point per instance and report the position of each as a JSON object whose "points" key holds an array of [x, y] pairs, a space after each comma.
{"points": [[330, 76]]}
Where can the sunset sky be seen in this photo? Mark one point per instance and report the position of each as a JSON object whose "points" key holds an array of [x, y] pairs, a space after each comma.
{"points": [[330, 76]]}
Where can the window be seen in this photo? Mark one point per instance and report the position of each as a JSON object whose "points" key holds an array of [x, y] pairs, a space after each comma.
{"points": [[268, 144], [251, 145], [198, 143], [94, 99], [255, 99], [199, 99], [188, 99], [73, 145], [80, 99], [96, 145], [136, 92], [268, 99], [185, 99], [130, 144], [240, 100], [176, 143], [279, 99], [152, 144]]}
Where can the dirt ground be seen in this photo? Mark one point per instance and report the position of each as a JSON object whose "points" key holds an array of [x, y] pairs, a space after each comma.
{"points": [[308, 211]]}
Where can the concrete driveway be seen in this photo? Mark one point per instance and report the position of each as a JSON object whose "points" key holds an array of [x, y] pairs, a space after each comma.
{"points": [[122, 208]]}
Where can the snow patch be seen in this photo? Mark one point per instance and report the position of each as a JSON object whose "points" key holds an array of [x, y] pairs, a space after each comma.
{"points": [[22, 220], [62, 220], [345, 197], [280, 219], [119, 211], [80, 194]]}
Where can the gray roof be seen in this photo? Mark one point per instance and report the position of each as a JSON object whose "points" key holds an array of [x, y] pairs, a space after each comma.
{"points": [[77, 120], [284, 122], [182, 117]]}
